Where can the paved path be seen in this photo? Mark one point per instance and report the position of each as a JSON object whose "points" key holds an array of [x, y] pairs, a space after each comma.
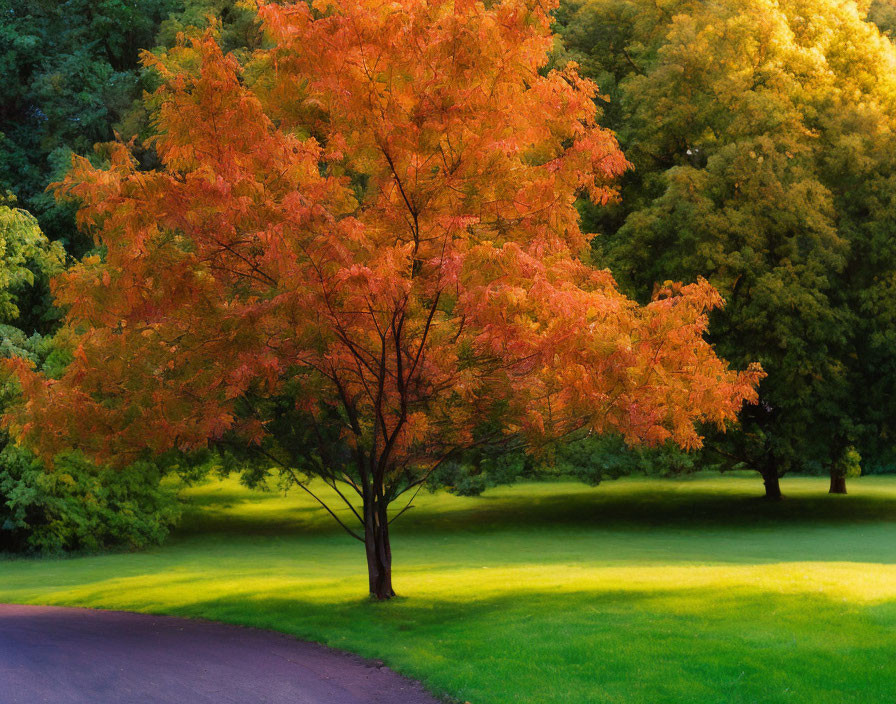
{"points": [[51, 655]]}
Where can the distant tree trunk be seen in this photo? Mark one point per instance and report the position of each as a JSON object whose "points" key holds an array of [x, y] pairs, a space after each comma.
{"points": [[772, 485], [838, 484], [379, 551]]}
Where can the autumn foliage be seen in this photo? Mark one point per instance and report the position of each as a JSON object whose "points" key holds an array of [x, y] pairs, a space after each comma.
{"points": [[365, 238]]}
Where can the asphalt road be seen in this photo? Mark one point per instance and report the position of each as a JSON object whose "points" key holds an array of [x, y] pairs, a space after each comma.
{"points": [[51, 655]]}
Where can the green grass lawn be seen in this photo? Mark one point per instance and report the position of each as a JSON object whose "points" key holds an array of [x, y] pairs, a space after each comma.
{"points": [[636, 591]]}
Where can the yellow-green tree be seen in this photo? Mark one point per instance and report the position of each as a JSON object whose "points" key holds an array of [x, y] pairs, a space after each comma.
{"points": [[25, 253], [762, 138]]}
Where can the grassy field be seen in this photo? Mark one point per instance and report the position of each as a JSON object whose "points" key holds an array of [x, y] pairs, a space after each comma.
{"points": [[636, 591]]}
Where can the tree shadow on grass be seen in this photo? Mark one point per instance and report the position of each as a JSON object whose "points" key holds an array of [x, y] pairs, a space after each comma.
{"points": [[656, 509], [681, 507]]}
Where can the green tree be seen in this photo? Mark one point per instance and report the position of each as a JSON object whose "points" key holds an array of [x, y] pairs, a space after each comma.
{"points": [[236, 22], [26, 256], [761, 135], [70, 74]]}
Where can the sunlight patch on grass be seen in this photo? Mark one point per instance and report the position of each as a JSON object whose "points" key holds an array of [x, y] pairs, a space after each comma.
{"points": [[636, 591]]}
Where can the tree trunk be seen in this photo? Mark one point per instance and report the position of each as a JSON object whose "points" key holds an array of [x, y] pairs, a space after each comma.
{"points": [[772, 485], [838, 484], [379, 551]]}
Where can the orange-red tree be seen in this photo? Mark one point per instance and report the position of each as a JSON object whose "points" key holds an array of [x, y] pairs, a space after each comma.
{"points": [[359, 256]]}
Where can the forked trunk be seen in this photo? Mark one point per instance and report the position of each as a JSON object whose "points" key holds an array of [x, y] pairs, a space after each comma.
{"points": [[379, 552], [838, 484], [772, 485]]}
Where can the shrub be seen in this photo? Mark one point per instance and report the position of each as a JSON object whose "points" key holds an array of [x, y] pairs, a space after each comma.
{"points": [[79, 506]]}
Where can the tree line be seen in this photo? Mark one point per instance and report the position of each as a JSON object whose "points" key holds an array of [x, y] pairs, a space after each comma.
{"points": [[755, 149]]}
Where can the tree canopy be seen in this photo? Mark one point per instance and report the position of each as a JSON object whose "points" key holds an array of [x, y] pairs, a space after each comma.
{"points": [[762, 137], [360, 255]]}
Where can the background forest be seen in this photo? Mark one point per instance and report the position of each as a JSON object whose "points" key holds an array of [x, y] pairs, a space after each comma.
{"points": [[762, 138]]}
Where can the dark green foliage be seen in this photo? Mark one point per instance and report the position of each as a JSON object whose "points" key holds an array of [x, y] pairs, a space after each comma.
{"points": [[238, 27], [78, 506], [591, 459], [596, 458], [70, 73], [476, 472]]}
